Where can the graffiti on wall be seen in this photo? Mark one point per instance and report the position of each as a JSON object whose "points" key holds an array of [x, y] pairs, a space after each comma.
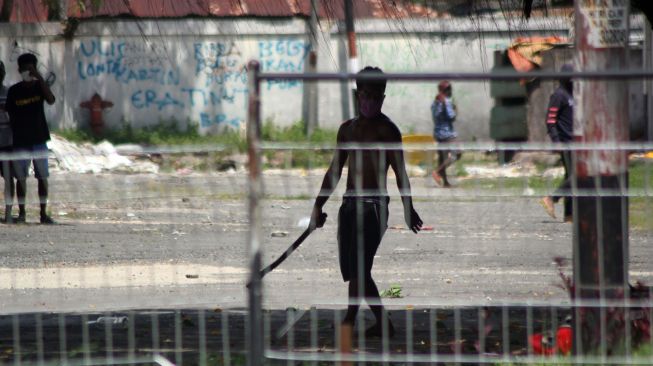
{"points": [[207, 81]]}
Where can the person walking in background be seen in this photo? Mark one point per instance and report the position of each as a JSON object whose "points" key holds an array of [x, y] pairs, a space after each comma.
{"points": [[560, 127], [6, 138], [25, 101], [444, 111]]}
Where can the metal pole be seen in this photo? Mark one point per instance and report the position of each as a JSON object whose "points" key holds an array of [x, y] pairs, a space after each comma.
{"points": [[255, 297], [600, 206], [351, 46], [648, 65], [310, 107]]}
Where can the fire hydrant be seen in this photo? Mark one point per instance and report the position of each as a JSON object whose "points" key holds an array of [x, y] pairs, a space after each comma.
{"points": [[95, 105]]}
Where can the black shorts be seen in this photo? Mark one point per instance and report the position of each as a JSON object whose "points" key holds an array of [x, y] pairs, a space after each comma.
{"points": [[366, 229]]}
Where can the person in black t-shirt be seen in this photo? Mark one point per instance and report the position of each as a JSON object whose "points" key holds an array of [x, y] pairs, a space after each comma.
{"points": [[30, 131], [560, 127], [6, 170]]}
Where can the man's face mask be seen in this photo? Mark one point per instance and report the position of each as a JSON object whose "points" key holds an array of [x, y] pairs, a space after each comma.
{"points": [[25, 75], [369, 103]]}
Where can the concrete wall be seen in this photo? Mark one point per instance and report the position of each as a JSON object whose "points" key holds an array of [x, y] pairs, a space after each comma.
{"points": [[194, 70]]}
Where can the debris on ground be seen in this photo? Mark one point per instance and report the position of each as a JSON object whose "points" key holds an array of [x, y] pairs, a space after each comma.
{"points": [[89, 158]]}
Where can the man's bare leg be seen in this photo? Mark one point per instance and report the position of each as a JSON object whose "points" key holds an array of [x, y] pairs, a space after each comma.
{"points": [[374, 299], [354, 303]]}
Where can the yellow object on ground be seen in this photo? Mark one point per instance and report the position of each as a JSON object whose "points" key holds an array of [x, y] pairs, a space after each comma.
{"points": [[415, 148], [649, 155]]}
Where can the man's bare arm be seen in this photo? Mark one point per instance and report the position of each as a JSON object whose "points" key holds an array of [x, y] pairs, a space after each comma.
{"points": [[333, 174], [396, 158], [330, 181]]}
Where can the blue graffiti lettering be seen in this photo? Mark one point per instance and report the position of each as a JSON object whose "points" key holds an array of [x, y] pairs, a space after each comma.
{"points": [[147, 98], [207, 120], [212, 57], [285, 48], [113, 49], [115, 68], [191, 95]]}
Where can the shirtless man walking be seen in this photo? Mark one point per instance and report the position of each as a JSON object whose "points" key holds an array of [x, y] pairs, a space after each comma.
{"points": [[363, 216]]}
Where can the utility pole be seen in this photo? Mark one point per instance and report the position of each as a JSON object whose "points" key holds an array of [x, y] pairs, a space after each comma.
{"points": [[351, 47], [310, 96], [648, 66], [600, 222]]}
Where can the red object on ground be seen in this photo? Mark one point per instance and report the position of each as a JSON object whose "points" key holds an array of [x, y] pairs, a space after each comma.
{"points": [[547, 347], [564, 340], [96, 105]]}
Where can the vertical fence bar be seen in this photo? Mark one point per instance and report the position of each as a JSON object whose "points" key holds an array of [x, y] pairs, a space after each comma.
{"points": [[433, 330], [201, 320], [131, 336], [226, 347], [255, 297], [314, 334], [63, 343], [179, 358], [155, 332], [108, 336], [39, 338], [409, 334], [16, 335], [505, 335], [86, 339]]}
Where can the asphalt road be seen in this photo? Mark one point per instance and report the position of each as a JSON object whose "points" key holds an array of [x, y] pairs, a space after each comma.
{"points": [[166, 241]]}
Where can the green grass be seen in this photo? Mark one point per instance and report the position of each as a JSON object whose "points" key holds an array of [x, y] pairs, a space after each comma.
{"points": [[641, 206], [162, 134], [296, 134], [640, 185]]}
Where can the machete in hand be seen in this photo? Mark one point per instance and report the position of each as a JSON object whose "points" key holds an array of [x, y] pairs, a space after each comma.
{"points": [[291, 248]]}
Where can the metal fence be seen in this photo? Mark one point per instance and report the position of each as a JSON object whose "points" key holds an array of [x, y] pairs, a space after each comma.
{"points": [[449, 307], [476, 331]]}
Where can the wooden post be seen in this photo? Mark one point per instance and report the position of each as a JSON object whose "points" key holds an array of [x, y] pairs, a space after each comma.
{"points": [[600, 208]]}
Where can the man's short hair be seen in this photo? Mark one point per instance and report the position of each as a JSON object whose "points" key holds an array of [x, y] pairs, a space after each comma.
{"points": [[378, 84], [26, 59]]}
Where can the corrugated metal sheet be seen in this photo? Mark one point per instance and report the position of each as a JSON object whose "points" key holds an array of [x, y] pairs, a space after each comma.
{"points": [[29, 11]]}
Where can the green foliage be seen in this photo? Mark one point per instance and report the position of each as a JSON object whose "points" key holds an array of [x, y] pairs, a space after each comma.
{"points": [[292, 136], [393, 292]]}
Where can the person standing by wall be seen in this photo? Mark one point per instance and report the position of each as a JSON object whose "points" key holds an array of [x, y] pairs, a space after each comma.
{"points": [[6, 138], [25, 101], [444, 112], [560, 127]]}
